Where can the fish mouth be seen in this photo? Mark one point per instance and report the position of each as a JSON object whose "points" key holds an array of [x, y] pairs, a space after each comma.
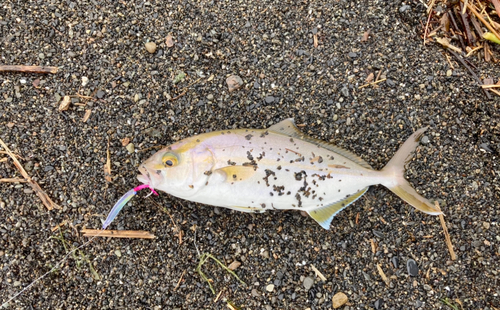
{"points": [[145, 177]]}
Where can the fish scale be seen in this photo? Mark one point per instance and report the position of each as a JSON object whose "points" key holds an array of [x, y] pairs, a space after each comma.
{"points": [[254, 170]]}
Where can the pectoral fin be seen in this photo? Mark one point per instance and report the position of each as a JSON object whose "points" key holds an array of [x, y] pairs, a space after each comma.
{"points": [[324, 215], [235, 173]]}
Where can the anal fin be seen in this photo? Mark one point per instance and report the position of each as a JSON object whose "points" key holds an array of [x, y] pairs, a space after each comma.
{"points": [[324, 215]]}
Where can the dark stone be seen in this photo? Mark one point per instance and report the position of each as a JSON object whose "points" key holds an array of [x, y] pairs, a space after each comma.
{"points": [[100, 94], [412, 267]]}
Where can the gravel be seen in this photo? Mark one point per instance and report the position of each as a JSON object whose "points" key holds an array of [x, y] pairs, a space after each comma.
{"points": [[271, 46]]}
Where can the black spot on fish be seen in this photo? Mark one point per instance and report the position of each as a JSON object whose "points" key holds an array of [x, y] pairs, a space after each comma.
{"points": [[249, 155], [320, 159], [279, 167], [320, 198], [248, 137], [232, 163], [208, 172], [299, 199], [271, 193], [234, 176], [264, 134], [268, 174], [158, 171], [197, 140], [263, 205], [288, 193], [291, 140]]}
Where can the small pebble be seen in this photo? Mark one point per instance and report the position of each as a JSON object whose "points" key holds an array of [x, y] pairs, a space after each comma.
{"points": [[85, 80], [130, 148], [270, 288], [412, 267], [118, 253], [424, 140], [338, 300], [486, 225], [17, 283], [308, 283], [234, 82], [269, 99], [150, 47], [210, 97], [100, 94]]}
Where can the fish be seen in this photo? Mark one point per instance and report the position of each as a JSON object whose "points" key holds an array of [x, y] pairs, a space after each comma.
{"points": [[278, 168]]}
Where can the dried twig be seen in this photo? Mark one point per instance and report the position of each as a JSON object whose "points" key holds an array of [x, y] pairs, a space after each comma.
{"points": [[446, 234], [488, 25], [136, 234], [107, 166], [474, 75], [180, 279], [28, 69], [49, 204]]}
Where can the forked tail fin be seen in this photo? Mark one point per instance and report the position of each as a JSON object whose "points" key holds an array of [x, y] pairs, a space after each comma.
{"points": [[398, 184]]}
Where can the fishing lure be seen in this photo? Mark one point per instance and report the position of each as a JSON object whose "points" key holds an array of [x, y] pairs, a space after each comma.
{"points": [[123, 201]]}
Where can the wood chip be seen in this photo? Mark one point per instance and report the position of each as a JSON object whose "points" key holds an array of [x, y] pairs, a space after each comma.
{"points": [[28, 69], [234, 265], [131, 234], [374, 247], [382, 275], [365, 36], [125, 141], [65, 103], [318, 273], [169, 40], [47, 202], [370, 78], [315, 40]]}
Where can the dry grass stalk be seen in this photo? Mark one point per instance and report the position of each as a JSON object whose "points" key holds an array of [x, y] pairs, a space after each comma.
{"points": [[49, 204], [129, 234], [318, 273], [87, 115], [372, 83], [446, 234], [382, 275], [13, 180], [28, 69]]}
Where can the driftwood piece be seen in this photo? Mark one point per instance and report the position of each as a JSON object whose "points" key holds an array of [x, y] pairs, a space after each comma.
{"points": [[28, 69], [139, 234]]}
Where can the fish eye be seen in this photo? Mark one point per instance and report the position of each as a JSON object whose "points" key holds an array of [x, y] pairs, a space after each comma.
{"points": [[169, 160]]}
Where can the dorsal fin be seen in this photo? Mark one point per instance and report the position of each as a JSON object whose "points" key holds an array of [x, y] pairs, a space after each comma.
{"points": [[287, 127], [324, 215]]}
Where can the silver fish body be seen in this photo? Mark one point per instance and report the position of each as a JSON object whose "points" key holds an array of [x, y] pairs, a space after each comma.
{"points": [[254, 170]]}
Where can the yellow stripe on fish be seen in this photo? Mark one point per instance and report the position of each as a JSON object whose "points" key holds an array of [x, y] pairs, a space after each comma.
{"points": [[254, 170]]}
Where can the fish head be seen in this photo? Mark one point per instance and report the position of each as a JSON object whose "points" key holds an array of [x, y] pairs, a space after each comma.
{"points": [[178, 168], [166, 168]]}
